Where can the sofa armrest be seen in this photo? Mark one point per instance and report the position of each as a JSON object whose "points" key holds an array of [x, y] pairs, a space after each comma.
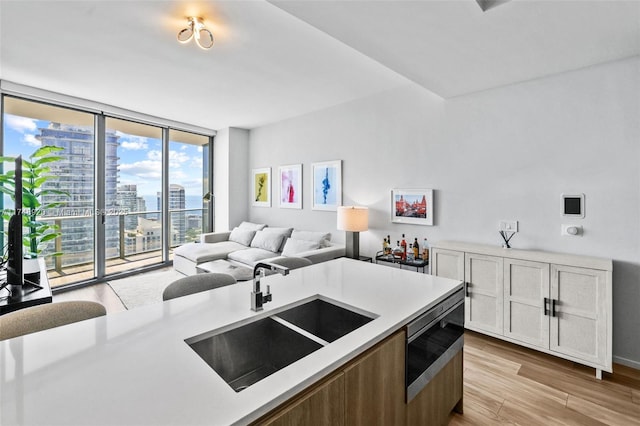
{"points": [[323, 254], [215, 237]]}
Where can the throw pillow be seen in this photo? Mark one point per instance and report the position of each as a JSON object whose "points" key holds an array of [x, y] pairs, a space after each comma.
{"points": [[242, 236], [322, 238], [267, 240], [293, 247], [285, 232], [252, 226]]}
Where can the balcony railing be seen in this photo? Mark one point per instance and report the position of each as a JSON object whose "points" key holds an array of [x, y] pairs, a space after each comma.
{"points": [[127, 247]]}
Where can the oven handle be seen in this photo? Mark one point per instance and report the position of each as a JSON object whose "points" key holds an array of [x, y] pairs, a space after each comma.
{"points": [[411, 336]]}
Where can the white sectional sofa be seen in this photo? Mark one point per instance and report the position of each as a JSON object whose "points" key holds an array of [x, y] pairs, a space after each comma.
{"points": [[250, 243]]}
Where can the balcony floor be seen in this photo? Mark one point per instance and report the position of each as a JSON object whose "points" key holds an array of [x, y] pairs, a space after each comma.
{"points": [[85, 272]]}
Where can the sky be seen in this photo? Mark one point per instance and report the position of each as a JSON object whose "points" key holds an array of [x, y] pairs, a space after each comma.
{"points": [[140, 157]]}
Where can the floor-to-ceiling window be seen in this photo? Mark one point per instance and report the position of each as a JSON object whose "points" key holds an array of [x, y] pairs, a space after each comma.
{"points": [[133, 171], [188, 186], [105, 188], [68, 199]]}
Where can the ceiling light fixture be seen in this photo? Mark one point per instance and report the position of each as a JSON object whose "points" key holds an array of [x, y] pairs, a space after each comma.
{"points": [[197, 31]]}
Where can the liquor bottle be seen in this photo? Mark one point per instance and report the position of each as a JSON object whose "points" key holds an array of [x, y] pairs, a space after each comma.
{"points": [[410, 256], [397, 250], [425, 250], [385, 246], [416, 249], [403, 245], [389, 246]]}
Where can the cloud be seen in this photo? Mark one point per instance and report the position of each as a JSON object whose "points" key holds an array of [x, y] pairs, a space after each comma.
{"points": [[177, 175], [31, 140], [135, 143], [196, 162], [143, 169], [177, 157], [200, 148], [192, 183], [20, 124], [152, 166]]}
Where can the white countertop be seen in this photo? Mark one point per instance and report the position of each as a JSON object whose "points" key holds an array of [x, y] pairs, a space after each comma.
{"points": [[134, 368]]}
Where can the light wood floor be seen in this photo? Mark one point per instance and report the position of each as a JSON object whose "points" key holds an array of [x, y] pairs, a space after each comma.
{"points": [[509, 384]]}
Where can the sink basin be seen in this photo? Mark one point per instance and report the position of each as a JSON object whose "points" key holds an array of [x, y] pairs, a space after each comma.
{"points": [[325, 320], [249, 353]]}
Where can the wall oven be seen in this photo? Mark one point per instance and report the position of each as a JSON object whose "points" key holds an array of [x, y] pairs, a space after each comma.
{"points": [[433, 339]]}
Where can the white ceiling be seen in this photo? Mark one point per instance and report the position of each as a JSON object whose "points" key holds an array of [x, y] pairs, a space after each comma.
{"points": [[277, 60]]}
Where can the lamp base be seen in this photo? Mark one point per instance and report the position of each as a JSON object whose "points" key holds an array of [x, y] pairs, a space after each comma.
{"points": [[352, 245]]}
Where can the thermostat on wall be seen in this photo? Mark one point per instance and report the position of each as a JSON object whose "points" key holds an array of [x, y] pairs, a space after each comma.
{"points": [[573, 205]]}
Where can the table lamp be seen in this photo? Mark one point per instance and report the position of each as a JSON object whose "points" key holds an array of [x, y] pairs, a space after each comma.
{"points": [[353, 220]]}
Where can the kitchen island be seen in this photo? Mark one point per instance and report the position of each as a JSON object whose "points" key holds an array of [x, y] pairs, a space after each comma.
{"points": [[134, 367]]}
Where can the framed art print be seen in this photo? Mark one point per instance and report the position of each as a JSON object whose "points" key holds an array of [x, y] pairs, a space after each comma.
{"points": [[261, 194], [413, 206], [326, 185], [290, 186]]}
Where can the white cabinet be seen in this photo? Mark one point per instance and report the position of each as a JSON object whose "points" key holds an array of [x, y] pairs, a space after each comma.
{"points": [[526, 289], [577, 327], [484, 302], [447, 263], [557, 303]]}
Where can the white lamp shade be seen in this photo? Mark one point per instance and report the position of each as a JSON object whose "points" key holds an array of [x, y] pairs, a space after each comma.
{"points": [[353, 219]]}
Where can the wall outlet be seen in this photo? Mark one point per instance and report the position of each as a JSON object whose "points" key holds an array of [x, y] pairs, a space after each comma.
{"points": [[571, 230], [508, 225]]}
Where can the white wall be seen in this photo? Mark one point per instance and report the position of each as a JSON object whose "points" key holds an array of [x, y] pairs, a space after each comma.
{"points": [[506, 153], [231, 177]]}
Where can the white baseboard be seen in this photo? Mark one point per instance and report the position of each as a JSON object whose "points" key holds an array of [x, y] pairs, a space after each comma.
{"points": [[627, 362]]}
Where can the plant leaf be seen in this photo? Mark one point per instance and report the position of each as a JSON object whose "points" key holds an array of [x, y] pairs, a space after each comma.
{"points": [[45, 150], [44, 160], [30, 201], [49, 237]]}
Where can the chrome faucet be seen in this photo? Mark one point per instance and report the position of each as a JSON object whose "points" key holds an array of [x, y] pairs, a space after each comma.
{"points": [[257, 298]]}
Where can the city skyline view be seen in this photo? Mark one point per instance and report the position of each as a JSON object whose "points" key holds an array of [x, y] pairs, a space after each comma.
{"points": [[140, 158], [133, 164]]}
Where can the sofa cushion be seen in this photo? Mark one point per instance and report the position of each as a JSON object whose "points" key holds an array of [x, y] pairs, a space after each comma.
{"points": [[285, 232], [267, 240], [252, 226], [250, 256], [242, 236], [204, 252], [323, 238], [293, 247]]}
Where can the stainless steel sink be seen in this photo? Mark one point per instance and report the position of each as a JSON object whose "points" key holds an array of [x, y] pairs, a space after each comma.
{"points": [[325, 320], [249, 353]]}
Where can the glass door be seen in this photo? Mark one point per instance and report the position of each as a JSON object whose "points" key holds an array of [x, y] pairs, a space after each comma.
{"points": [[133, 178], [63, 182], [189, 197]]}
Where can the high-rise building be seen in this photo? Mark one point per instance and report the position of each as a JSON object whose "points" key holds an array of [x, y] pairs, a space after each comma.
{"points": [[75, 174], [146, 237], [129, 202], [179, 218]]}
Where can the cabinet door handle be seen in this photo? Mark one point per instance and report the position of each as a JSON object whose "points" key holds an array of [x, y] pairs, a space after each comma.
{"points": [[546, 310], [553, 307], [466, 289]]}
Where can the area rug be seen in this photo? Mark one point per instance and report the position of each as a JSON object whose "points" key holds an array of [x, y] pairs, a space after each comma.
{"points": [[143, 289]]}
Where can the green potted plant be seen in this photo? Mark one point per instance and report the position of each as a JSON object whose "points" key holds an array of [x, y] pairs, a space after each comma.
{"points": [[35, 173]]}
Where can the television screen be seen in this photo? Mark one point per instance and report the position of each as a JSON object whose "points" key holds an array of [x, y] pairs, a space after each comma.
{"points": [[15, 274]]}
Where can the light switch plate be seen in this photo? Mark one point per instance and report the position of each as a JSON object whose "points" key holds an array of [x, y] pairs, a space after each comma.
{"points": [[508, 225]]}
